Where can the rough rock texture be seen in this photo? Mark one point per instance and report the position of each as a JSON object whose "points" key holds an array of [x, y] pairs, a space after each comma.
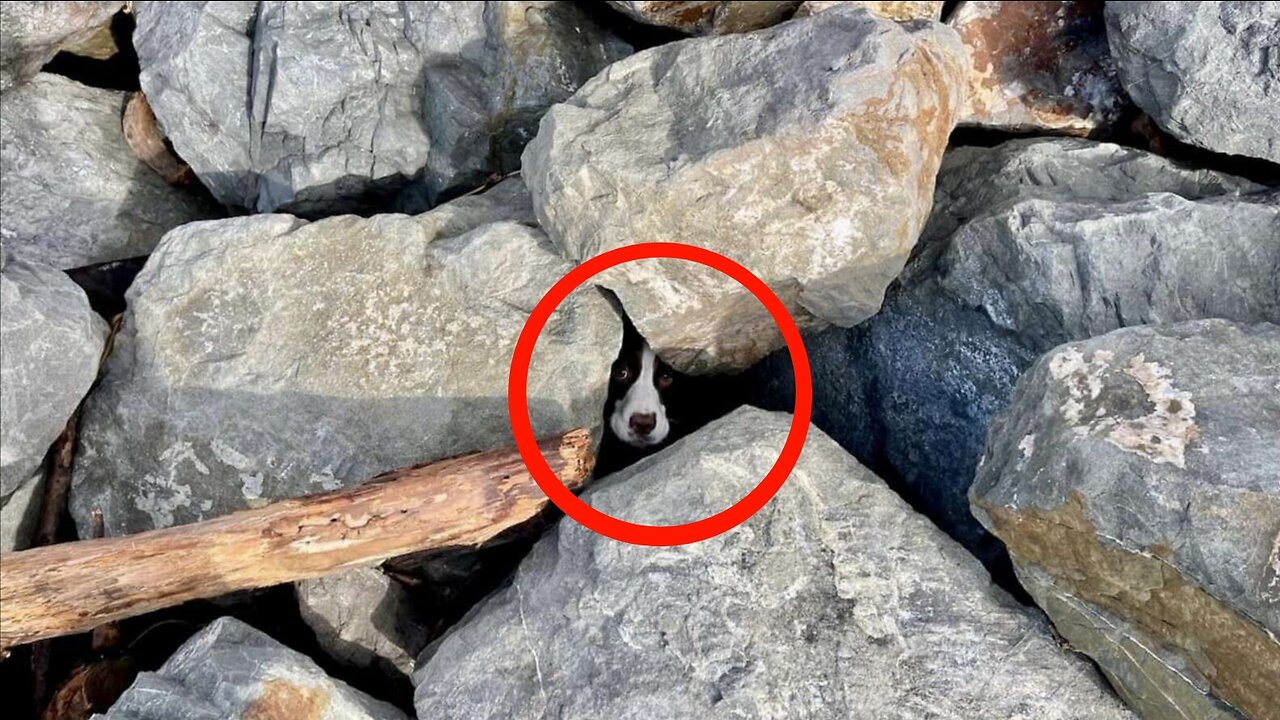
{"points": [[715, 17], [1042, 66], [20, 513], [899, 10], [363, 618], [1205, 71], [264, 357], [324, 107], [31, 33], [73, 193], [230, 671], [1136, 481], [1031, 243], [490, 83], [834, 601], [818, 182], [50, 345]]}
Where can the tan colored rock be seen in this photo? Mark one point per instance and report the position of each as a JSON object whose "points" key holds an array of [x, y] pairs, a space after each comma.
{"points": [[100, 44], [265, 357], [708, 18], [817, 182], [900, 10], [1039, 66]]}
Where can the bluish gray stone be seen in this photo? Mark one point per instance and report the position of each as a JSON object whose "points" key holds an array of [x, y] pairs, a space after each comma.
{"points": [[73, 192], [50, 345], [1207, 72], [1030, 244]]}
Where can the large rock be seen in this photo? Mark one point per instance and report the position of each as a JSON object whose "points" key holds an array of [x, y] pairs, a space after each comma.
{"points": [[73, 192], [810, 164], [835, 600], [324, 107], [1205, 71], [50, 345], [1136, 481], [363, 618], [230, 671], [707, 17], [31, 33], [1040, 66], [1031, 244], [264, 357]]}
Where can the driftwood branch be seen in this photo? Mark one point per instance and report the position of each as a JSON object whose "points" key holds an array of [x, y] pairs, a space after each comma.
{"points": [[455, 503]]}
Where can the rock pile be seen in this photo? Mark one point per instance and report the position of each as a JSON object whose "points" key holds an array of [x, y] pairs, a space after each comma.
{"points": [[1034, 249], [320, 108], [1031, 244]]}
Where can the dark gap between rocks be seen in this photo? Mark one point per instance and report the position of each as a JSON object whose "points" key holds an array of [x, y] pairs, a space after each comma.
{"points": [[118, 72], [1136, 130]]}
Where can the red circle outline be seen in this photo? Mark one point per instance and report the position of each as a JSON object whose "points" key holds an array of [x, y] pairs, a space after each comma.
{"points": [[603, 523]]}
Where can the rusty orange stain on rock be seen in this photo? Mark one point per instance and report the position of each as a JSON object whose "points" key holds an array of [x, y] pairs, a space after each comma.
{"points": [[284, 700]]}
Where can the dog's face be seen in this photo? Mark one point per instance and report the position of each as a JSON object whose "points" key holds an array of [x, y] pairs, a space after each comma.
{"points": [[638, 392]]}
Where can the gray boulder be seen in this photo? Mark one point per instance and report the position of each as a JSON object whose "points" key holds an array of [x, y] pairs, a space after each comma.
{"points": [[265, 357], [363, 618], [31, 33], [707, 17], [1031, 244], [1136, 480], [1205, 71], [73, 192], [230, 671], [326, 107], [818, 181], [835, 600], [50, 345]]}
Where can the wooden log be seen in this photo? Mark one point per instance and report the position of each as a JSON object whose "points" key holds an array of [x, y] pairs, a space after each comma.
{"points": [[146, 140], [455, 503]]}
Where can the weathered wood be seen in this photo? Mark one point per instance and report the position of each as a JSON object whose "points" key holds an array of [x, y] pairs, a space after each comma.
{"points": [[146, 140], [57, 484], [455, 503]]}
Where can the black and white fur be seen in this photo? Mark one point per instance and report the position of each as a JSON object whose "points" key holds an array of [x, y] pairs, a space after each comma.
{"points": [[651, 405]]}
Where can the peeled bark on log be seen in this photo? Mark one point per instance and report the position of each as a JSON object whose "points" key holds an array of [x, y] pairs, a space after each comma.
{"points": [[146, 140], [455, 503]]}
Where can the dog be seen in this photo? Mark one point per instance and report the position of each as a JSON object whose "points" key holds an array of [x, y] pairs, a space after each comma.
{"points": [[650, 404]]}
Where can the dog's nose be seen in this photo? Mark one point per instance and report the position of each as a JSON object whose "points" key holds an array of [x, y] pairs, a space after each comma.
{"points": [[643, 423]]}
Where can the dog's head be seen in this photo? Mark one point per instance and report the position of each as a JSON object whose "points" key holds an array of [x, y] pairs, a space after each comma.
{"points": [[640, 389]]}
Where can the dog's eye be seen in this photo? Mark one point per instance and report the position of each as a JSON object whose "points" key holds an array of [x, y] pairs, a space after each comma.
{"points": [[621, 373], [664, 380]]}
